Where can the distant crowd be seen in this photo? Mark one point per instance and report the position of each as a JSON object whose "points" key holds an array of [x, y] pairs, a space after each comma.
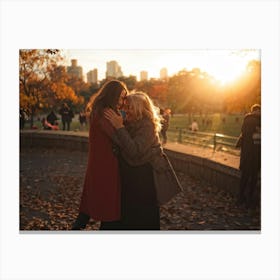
{"points": [[51, 121]]}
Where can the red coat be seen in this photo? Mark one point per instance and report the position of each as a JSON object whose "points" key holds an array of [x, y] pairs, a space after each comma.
{"points": [[101, 197]]}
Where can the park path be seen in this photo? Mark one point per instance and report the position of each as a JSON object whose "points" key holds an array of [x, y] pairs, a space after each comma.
{"points": [[51, 184]]}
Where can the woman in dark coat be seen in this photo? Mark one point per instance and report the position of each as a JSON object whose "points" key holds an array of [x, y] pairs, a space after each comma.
{"points": [[101, 192], [139, 145]]}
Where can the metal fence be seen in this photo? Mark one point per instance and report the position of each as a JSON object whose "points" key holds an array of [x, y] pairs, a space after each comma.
{"points": [[215, 141]]}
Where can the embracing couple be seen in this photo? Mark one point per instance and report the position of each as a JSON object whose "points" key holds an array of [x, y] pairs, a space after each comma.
{"points": [[128, 175]]}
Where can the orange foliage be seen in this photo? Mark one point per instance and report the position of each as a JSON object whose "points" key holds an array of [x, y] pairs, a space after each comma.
{"points": [[44, 82]]}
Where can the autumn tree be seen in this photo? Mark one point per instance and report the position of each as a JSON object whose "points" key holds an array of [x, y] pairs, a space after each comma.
{"points": [[180, 94], [130, 81], [243, 93], [68, 88], [42, 81], [34, 77]]}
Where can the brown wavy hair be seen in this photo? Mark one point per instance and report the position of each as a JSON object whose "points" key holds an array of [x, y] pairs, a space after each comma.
{"points": [[107, 96]]}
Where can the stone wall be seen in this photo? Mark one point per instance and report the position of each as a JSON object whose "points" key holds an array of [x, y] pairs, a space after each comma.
{"points": [[225, 177], [217, 174]]}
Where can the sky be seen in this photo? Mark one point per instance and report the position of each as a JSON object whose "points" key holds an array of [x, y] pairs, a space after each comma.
{"points": [[224, 65]]}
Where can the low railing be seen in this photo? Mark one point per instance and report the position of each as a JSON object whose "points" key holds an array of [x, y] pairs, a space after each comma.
{"points": [[215, 141]]}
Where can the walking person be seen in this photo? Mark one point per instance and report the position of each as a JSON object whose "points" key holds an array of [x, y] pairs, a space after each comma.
{"points": [[82, 119], [250, 157], [165, 124], [22, 118], [66, 116], [143, 165], [101, 198], [194, 126]]}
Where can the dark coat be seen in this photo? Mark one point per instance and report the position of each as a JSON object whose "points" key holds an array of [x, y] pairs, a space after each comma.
{"points": [[139, 202], [66, 114], [165, 122], [101, 191], [250, 157], [140, 210], [51, 118], [139, 144]]}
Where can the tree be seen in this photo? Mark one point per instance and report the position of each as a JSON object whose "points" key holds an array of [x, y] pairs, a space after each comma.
{"points": [[246, 91], [129, 81], [180, 92], [68, 88], [34, 77], [156, 89], [43, 81]]}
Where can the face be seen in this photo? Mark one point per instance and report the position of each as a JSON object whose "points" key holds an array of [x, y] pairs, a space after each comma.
{"points": [[129, 111], [121, 99]]}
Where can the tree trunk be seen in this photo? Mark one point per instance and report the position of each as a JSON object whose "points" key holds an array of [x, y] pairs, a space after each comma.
{"points": [[32, 118]]}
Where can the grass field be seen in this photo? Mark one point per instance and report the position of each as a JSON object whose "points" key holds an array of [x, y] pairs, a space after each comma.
{"points": [[230, 126], [227, 125]]}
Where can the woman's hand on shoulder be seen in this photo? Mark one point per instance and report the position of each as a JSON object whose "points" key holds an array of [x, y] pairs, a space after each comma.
{"points": [[115, 119]]}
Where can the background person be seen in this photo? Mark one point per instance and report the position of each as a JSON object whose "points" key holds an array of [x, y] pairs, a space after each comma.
{"points": [[66, 116], [22, 118], [47, 126], [165, 124], [52, 118], [250, 157], [194, 126], [82, 118]]}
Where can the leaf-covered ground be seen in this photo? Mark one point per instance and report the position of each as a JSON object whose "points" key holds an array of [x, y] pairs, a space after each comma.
{"points": [[51, 185]]}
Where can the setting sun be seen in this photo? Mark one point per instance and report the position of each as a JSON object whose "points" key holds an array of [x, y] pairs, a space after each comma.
{"points": [[226, 69]]}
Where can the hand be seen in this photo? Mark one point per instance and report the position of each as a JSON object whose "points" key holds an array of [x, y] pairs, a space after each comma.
{"points": [[115, 119]]}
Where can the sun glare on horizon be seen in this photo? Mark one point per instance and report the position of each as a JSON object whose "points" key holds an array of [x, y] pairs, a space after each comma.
{"points": [[225, 66], [226, 69]]}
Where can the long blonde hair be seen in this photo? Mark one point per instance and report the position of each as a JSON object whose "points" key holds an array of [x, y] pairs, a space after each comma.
{"points": [[142, 106]]}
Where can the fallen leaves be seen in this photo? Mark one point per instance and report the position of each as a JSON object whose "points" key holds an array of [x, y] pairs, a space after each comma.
{"points": [[51, 185]]}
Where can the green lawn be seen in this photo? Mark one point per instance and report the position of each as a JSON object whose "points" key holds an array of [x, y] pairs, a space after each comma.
{"points": [[230, 126], [75, 124]]}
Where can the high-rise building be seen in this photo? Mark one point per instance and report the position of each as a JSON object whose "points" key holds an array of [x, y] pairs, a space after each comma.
{"points": [[113, 70], [143, 76], [163, 73], [75, 70], [92, 76]]}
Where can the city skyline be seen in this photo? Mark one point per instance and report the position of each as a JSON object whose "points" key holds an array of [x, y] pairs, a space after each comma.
{"points": [[223, 65]]}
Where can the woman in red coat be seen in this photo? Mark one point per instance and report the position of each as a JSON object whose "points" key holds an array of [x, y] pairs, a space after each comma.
{"points": [[101, 199]]}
